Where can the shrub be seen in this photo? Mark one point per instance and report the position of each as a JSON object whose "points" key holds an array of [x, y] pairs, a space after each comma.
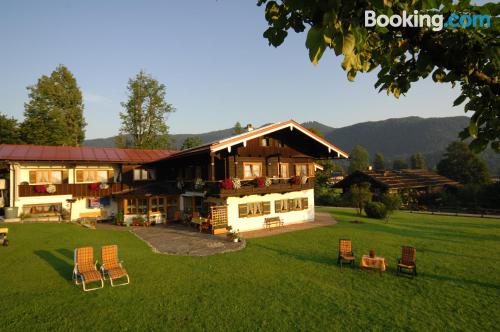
{"points": [[376, 210]]}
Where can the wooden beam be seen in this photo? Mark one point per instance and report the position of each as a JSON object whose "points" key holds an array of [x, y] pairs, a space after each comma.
{"points": [[212, 167]]}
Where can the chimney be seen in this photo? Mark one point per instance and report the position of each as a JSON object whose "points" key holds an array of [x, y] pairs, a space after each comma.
{"points": [[249, 127]]}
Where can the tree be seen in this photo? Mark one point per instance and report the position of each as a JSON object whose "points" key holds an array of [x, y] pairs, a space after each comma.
{"points": [[54, 112], [460, 164], [417, 161], [358, 159], [359, 195], [191, 142], [392, 203], [404, 55], [9, 130], [237, 129], [379, 162], [399, 164], [146, 109]]}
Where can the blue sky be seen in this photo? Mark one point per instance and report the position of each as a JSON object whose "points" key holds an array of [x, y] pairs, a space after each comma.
{"points": [[212, 57]]}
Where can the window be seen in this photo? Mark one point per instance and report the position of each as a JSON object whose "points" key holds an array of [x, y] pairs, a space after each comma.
{"points": [[52, 208], [158, 204], [46, 176], [141, 174], [294, 204], [92, 176], [264, 142], [252, 170], [301, 170], [281, 206], [254, 209], [137, 206], [284, 171]]}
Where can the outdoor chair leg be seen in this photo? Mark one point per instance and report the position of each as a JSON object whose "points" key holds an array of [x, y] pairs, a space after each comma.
{"points": [[91, 289], [122, 284]]}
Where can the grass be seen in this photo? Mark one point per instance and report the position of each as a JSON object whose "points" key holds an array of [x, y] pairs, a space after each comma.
{"points": [[284, 282]]}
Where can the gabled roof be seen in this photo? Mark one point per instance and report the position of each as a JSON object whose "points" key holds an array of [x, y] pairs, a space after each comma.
{"points": [[398, 179], [14, 152], [228, 143]]}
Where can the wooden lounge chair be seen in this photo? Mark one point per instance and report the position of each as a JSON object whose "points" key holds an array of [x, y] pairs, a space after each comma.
{"points": [[85, 268], [407, 262], [345, 252], [111, 266]]}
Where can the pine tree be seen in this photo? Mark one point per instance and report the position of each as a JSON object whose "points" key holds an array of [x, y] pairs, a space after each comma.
{"points": [[144, 118], [237, 129], [399, 164], [417, 161], [54, 112], [379, 162]]}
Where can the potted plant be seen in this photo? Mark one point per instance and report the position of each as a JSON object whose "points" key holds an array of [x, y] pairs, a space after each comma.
{"points": [[260, 182], [233, 235], [65, 215], [119, 219], [50, 189], [227, 184]]}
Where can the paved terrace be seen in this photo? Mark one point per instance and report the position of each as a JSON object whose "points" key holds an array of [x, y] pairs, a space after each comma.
{"points": [[184, 241]]}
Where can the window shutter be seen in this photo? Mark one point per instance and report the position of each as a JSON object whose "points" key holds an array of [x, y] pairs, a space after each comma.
{"points": [[32, 176], [266, 207], [305, 203], [243, 210], [79, 176], [277, 206], [111, 176], [64, 176]]}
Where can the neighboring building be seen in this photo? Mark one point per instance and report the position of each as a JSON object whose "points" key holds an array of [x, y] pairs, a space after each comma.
{"points": [[78, 181], [237, 182], [419, 181]]}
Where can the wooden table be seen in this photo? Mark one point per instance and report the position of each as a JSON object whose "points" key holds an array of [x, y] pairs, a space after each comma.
{"points": [[199, 221], [373, 263]]}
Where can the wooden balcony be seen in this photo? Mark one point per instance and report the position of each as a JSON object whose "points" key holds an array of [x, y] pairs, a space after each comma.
{"points": [[76, 189], [249, 188]]}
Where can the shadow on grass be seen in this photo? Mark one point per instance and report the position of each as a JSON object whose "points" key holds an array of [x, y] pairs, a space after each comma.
{"points": [[66, 253], [321, 259], [60, 265], [466, 282]]}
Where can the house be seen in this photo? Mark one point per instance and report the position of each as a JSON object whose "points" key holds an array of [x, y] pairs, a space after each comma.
{"points": [[238, 181], [398, 181]]}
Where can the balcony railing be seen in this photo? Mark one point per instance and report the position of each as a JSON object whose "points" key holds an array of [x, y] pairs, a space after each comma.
{"points": [[75, 189], [249, 187]]}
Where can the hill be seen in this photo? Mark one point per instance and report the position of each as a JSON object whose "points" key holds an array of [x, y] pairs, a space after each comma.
{"points": [[395, 138]]}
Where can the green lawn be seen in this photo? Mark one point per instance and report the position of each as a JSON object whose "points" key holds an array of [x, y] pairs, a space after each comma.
{"points": [[284, 282]]}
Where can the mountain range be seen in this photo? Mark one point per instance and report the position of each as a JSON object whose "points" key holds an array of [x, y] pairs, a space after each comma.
{"points": [[397, 138]]}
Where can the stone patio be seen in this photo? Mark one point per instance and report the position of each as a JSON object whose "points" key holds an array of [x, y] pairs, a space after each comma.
{"points": [[185, 241]]}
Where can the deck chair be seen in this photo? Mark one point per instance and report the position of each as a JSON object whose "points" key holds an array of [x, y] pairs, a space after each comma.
{"points": [[85, 268], [407, 262], [345, 252], [111, 266]]}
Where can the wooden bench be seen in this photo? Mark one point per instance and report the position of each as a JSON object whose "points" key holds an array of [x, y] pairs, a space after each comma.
{"points": [[273, 222]]}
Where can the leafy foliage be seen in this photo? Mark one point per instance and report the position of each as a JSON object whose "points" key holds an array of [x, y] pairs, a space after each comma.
{"points": [[191, 142], [237, 129], [54, 112], [460, 164], [358, 159], [379, 162], [392, 202], [146, 109], [359, 195], [376, 210], [417, 161], [470, 57], [9, 130], [399, 164]]}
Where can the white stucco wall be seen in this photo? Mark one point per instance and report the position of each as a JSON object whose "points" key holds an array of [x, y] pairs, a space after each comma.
{"points": [[252, 223]]}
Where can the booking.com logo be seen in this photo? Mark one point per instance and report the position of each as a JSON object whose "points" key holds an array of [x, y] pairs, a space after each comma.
{"points": [[436, 22]]}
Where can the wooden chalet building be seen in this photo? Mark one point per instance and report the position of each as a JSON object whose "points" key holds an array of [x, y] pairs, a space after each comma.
{"points": [[237, 182], [398, 181]]}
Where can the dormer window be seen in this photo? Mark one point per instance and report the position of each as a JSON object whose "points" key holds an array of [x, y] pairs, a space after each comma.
{"points": [[142, 174]]}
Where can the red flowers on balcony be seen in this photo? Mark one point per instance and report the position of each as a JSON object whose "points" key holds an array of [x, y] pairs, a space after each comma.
{"points": [[295, 180], [227, 184], [260, 182], [41, 188], [94, 186]]}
